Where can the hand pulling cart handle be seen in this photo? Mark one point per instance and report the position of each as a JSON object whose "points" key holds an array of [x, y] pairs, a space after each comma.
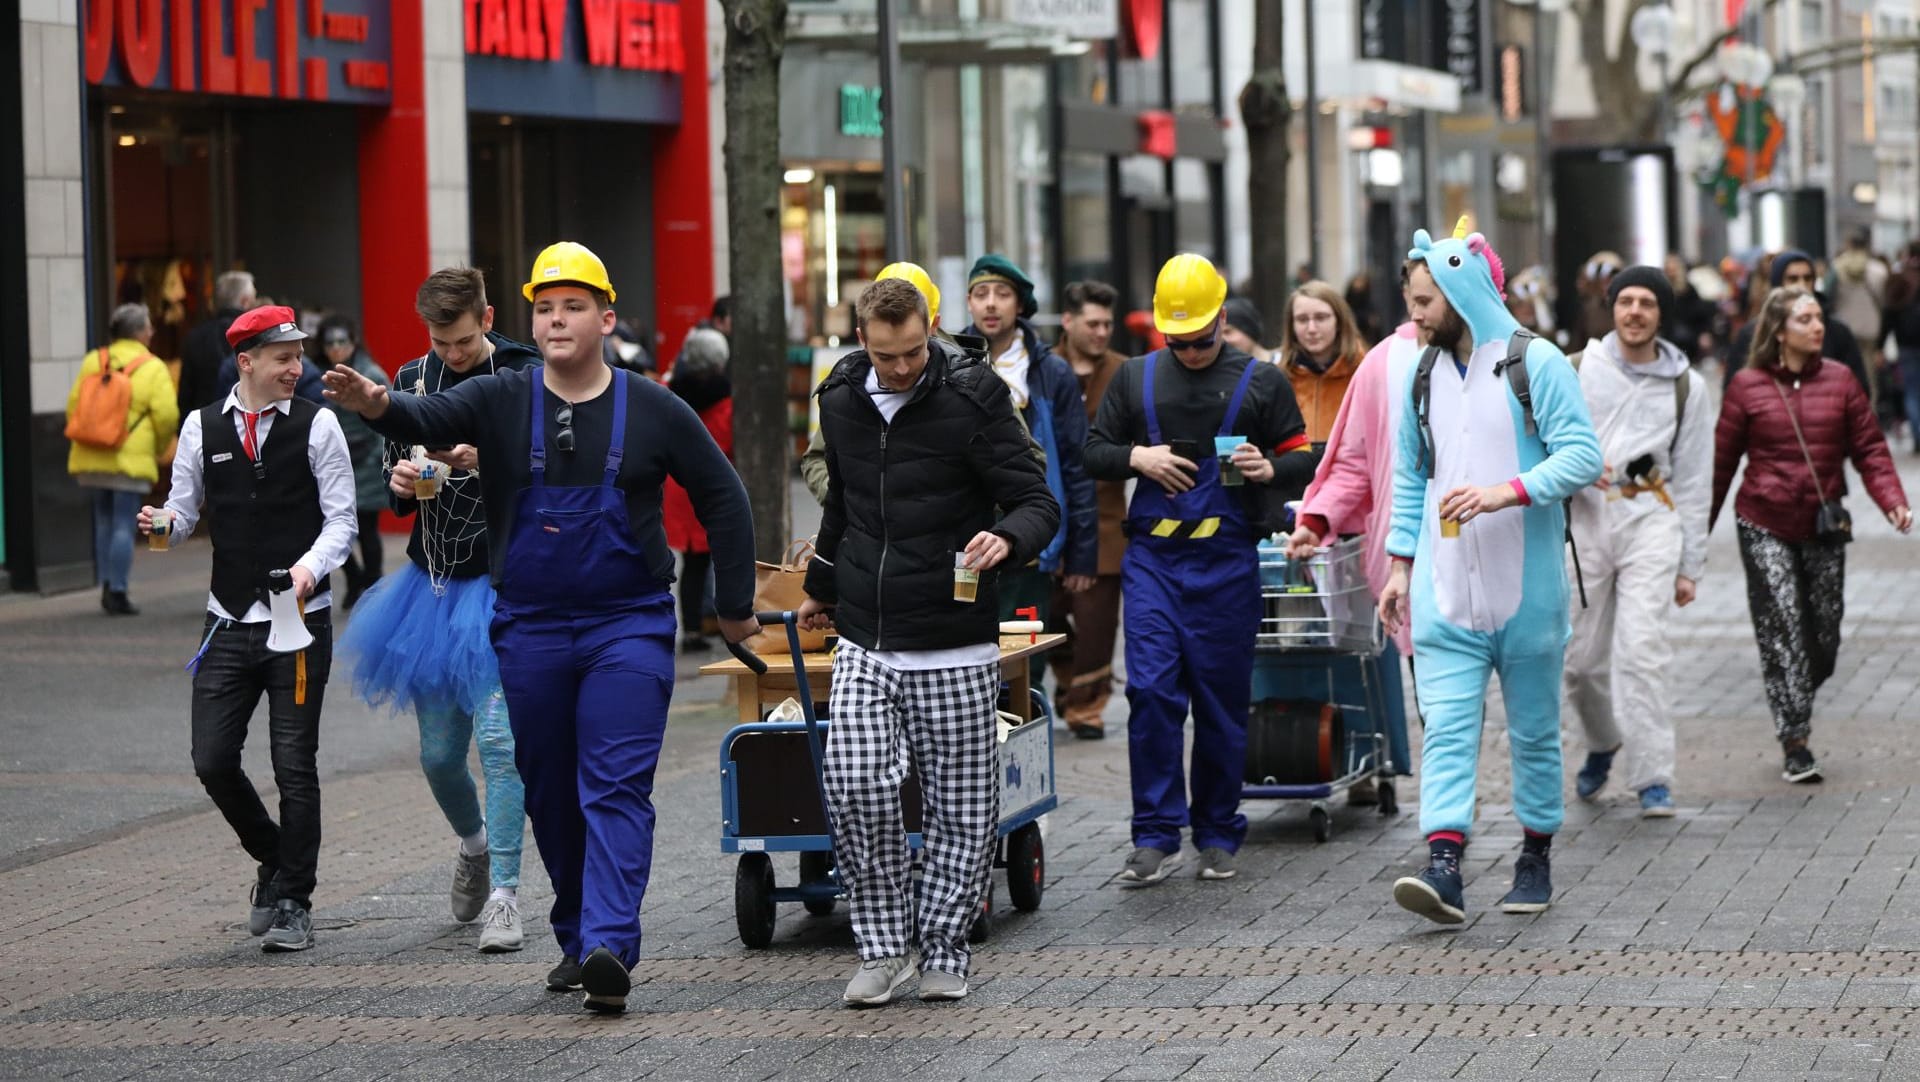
{"points": [[802, 690]]}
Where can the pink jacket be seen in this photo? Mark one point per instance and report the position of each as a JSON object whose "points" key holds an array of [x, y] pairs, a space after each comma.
{"points": [[1352, 489]]}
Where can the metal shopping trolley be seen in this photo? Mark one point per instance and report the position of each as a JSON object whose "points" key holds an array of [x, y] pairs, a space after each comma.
{"points": [[773, 799], [1319, 722]]}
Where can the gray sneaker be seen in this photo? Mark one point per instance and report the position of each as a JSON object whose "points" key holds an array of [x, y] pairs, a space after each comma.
{"points": [[936, 985], [875, 982], [1148, 866], [260, 912], [471, 884], [292, 928], [1216, 863], [500, 927]]}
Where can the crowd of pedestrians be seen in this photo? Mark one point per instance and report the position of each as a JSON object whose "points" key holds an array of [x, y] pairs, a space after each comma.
{"points": [[1522, 511]]}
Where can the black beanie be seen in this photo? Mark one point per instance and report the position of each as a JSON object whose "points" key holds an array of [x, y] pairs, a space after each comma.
{"points": [[1242, 316], [1777, 272], [1652, 279]]}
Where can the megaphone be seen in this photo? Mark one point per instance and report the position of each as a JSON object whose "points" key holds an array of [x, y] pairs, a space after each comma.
{"points": [[289, 631]]}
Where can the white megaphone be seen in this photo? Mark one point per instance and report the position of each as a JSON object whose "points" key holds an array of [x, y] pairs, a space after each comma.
{"points": [[289, 631]]}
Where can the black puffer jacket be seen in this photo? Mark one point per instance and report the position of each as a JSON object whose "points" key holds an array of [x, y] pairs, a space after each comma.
{"points": [[903, 498]]}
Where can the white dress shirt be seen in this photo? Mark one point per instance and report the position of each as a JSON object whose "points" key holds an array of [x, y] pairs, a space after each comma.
{"points": [[332, 470]]}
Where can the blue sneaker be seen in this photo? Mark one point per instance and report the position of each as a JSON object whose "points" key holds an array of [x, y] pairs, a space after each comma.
{"points": [[1593, 777], [1656, 803], [1532, 885], [1435, 894]]}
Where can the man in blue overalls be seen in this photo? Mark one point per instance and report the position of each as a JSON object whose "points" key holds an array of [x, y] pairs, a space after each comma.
{"points": [[1191, 575], [583, 624]]}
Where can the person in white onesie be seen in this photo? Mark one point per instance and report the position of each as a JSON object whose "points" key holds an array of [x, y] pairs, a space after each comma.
{"points": [[1480, 474], [1641, 533]]}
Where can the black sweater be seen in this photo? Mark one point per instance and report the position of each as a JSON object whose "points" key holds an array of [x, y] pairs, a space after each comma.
{"points": [[664, 437], [463, 545], [1191, 404]]}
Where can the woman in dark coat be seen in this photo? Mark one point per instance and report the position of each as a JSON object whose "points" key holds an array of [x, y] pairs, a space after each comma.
{"points": [[337, 343], [1796, 418]]}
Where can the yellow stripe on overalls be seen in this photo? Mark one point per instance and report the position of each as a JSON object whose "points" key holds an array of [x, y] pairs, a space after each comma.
{"points": [[1179, 530]]}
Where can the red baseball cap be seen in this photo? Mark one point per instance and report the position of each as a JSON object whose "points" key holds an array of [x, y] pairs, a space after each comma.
{"points": [[264, 325]]}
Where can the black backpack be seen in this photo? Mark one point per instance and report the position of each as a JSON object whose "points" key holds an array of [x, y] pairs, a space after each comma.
{"points": [[1514, 368]]}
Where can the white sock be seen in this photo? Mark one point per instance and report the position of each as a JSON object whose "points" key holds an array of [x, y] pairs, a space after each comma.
{"points": [[511, 894], [473, 845]]}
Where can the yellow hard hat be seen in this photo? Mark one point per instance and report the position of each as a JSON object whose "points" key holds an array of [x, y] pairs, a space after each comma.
{"points": [[917, 274], [567, 263], [1187, 295]]}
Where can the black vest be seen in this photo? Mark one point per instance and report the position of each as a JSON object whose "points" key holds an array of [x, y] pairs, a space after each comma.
{"points": [[266, 514]]}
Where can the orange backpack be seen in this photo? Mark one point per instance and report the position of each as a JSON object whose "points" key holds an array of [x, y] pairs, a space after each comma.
{"points": [[99, 418]]}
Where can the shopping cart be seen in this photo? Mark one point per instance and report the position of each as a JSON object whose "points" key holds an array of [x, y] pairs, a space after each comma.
{"points": [[1319, 721], [773, 799]]}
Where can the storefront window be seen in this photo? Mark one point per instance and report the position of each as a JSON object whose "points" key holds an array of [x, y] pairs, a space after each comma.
{"points": [[833, 240], [1191, 49], [1085, 209], [1194, 200]]}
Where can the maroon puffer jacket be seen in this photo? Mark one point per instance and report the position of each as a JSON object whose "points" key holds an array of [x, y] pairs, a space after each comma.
{"points": [[1778, 494]]}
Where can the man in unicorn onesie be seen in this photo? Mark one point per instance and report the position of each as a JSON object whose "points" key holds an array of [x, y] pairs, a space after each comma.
{"points": [[1485, 459]]}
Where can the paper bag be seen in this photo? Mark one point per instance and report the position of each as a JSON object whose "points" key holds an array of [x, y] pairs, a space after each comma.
{"points": [[782, 586]]}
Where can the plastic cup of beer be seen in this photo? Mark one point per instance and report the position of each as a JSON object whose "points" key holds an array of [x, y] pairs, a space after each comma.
{"points": [[1449, 527], [160, 537], [966, 581], [427, 485], [1223, 448]]}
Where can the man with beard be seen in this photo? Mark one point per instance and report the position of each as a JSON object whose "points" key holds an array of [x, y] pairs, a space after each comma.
{"points": [[1641, 533], [1486, 584]]}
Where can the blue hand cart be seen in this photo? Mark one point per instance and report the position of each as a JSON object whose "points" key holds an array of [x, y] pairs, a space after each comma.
{"points": [[773, 800], [1320, 723]]}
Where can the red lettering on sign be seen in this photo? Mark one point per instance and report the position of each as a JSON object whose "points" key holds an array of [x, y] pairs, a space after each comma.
{"points": [[671, 49], [286, 25], [217, 67], [351, 28], [366, 74], [555, 21], [316, 79], [183, 74], [536, 34], [316, 18], [140, 34], [493, 27], [516, 30], [99, 38], [473, 26], [636, 35], [603, 39], [256, 75]]}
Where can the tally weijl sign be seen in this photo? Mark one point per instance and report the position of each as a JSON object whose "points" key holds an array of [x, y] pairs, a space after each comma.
{"points": [[295, 50]]}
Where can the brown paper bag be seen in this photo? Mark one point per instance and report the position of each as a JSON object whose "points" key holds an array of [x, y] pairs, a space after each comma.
{"points": [[782, 586]]}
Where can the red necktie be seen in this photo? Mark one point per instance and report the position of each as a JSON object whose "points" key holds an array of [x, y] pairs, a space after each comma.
{"points": [[252, 445]]}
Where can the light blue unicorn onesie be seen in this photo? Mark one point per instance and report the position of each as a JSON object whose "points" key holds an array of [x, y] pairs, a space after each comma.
{"points": [[1495, 597]]}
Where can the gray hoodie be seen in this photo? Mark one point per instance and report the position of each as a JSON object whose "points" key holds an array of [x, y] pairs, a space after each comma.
{"points": [[1633, 412]]}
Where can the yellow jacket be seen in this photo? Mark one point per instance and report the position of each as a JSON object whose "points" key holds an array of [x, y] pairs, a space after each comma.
{"points": [[153, 412]]}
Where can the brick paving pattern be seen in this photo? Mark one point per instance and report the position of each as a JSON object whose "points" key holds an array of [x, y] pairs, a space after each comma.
{"points": [[1762, 934]]}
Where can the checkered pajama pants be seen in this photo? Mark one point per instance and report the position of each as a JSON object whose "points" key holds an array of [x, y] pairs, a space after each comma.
{"points": [[942, 721]]}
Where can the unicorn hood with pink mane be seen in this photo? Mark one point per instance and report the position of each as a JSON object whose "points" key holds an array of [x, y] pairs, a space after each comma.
{"points": [[1468, 271]]}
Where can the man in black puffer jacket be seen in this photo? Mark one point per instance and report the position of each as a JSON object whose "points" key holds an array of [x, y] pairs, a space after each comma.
{"points": [[922, 445]]}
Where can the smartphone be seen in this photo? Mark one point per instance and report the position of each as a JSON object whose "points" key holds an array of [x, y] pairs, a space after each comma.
{"points": [[1187, 449]]}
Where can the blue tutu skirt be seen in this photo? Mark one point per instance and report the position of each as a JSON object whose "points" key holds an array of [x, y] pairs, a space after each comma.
{"points": [[408, 646]]}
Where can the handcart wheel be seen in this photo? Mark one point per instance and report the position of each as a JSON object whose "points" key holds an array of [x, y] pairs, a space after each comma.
{"points": [[817, 868], [1389, 803], [753, 899], [1322, 823], [982, 929], [1026, 868]]}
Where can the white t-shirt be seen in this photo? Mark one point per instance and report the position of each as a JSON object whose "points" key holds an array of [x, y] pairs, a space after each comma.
{"points": [[889, 404]]}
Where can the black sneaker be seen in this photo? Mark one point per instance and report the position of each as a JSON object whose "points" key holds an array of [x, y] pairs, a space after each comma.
{"points": [[260, 917], [1532, 885], [695, 644], [606, 981], [1801, 769], [1435, 893], [292, 928], [565, 976]]}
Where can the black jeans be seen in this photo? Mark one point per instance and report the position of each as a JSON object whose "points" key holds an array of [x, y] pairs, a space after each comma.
{"points": [[365, 570], [693, 591], [236, 669]]}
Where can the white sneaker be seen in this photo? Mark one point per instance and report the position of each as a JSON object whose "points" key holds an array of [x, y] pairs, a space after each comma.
{"points": [[500, 927], [875, 983]]}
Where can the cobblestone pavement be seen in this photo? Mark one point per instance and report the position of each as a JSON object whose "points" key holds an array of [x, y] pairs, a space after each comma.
{"points": [[1762, 934]]}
